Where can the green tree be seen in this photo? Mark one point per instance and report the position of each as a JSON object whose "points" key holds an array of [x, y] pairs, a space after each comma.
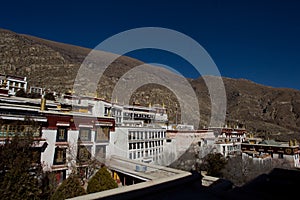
{"points": [[213, 163], [21, 174], [101, 181], [69, 188]]}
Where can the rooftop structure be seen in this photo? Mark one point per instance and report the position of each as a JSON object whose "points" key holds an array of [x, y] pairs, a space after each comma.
{"points": [[71, 137], [13, 83], [288, 151], [229, 140], [152, 176]]}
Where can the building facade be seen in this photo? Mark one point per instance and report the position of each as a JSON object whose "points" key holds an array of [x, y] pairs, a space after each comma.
{"points": [[270, 149], [13, 83]]}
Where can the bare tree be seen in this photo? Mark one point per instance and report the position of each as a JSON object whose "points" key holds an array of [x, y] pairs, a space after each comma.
{"points": [[242, 169], [81, 162]]}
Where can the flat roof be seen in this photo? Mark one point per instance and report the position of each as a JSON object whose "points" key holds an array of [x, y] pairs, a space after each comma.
{"points": [[154, 175]]}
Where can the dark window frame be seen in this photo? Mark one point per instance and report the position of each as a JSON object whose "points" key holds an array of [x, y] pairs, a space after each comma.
{"points": [[56, 152], [65, 138]]}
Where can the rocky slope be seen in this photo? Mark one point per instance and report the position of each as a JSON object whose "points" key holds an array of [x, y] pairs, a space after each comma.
{"points": [[270, 112]]}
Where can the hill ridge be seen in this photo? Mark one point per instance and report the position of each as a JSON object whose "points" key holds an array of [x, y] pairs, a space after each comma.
{"points": [[266, 110]]}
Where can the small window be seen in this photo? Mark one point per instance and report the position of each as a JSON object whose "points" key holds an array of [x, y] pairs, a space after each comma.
{"points": [[62, 133], [280, 155], [85, 134], [83, 154], [59, 156], [60, 176], [129, 136], [102, 134], [100, 152]]}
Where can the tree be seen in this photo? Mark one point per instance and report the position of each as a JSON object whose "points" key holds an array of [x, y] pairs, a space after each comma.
{"points": [[21, 174], [69, 188], [101, 181], [242, 169], [49, 96], [213, 163], [21, 93], [82, 163]]}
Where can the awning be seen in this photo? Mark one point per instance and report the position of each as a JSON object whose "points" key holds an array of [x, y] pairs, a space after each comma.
{"points": [[41, 144], [20, 118], [62, 124], [85, 126], [104, 124]]}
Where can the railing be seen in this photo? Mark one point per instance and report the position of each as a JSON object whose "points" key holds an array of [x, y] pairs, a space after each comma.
{"points": [[12, 130]]}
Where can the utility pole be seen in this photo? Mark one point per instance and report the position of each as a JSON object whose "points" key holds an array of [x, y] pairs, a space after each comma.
{"points": [[176, 113], [133, 108]]}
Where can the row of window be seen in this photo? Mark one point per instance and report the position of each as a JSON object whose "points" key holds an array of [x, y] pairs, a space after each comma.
{"points": [[137, 115], [8, 130], [141, 145], [147, 153], [231, 148], [112, 111], [101, 134], [141, 135], [83, 154]]}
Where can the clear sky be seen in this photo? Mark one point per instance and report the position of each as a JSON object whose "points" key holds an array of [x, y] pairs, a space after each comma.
{"points": [[257, 40]]}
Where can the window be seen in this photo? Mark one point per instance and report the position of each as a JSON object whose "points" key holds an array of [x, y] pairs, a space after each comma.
{"points": [[85, 134], [133, 135], [59, 156], [102, 134], [280, 155], [83, 154], [11, 130], [62, 133], [129, 136], [100, 151], [60, 176]]}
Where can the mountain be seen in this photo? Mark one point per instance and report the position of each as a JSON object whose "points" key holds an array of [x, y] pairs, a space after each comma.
{"points": [[266, 111]]}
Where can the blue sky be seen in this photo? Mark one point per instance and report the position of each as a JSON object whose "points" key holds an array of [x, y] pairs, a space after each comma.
{"points": [[256, 40]]}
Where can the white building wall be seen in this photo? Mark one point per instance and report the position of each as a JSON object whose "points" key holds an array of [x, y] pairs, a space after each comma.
{"points": [[48, 155], [118, 144], [152, 151]]}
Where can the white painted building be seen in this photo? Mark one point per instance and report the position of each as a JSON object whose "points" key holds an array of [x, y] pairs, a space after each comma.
{"points": [[68, 139], [180, 140], [281, 152], [229, 141], [140, 143], [36, 90], [13, 83]]}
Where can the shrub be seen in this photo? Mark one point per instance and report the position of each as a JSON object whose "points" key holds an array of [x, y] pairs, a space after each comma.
{"points": [[101, 181], [213, 163], [21, 174], [49, 96], [68, 189]]}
